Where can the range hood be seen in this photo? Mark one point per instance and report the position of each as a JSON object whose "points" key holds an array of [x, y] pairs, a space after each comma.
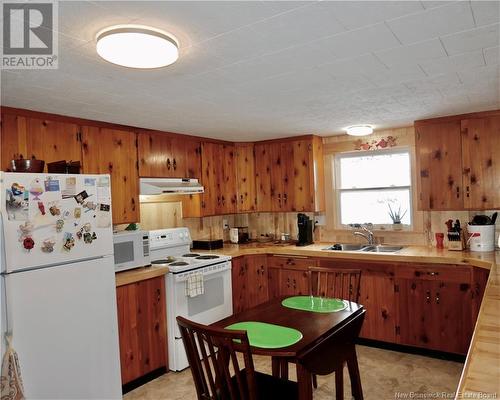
{"points": [[151, 186]]}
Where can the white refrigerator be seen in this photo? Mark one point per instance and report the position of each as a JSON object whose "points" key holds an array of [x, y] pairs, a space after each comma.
{"points": [[58, 284]]}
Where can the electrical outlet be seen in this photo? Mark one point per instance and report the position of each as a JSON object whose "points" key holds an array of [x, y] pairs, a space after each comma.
{"points": [[320, 220], [225, 224]]}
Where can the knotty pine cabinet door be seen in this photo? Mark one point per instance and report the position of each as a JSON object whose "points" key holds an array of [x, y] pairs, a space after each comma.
{"points": [[258, 279], [481, 162], [165, 156], [228, 184], [308, 187], [218, 178], [40, 138], [245, 177], [439, 166], [435, 308], [249, 281], [377, 295], [53, 140], [263, 179], [294, 282], [114, 152], [142, 328], [239, 283], [13, 139], [155, 155]]}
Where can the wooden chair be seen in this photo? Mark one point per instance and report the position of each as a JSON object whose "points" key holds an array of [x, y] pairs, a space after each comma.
{"points": [[335, 282], [331, 355], [339, 283], [212, 355]]}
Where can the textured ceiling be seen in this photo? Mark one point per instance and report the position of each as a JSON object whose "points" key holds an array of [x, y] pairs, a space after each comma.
{"points": [[262, 69]]}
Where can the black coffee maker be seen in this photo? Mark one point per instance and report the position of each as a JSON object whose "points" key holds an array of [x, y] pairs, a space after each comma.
{"points": [[305, 230]]}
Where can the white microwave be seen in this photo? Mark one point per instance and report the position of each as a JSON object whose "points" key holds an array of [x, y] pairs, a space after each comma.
{"points": [[131, 249]]}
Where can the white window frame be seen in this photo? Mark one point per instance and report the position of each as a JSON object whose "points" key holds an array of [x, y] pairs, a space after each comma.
{"points": [[339, 191]]}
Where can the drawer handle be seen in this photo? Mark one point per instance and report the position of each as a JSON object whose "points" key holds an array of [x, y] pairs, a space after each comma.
{"points": [[433, 273]]}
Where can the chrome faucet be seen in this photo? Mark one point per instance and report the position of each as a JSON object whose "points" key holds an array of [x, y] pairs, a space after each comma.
{"points": [[368, 234]]}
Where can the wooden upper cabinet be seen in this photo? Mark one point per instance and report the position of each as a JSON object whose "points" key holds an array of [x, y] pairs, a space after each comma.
{"points": [[165, 156], [309, 193], [219, 179], [114, 152], [481, 162], [439, 166], [228, 184], [13, 139], [290, 175], [263, 177], [155, 154], [40, 138], [245, 177], [53, 140]]}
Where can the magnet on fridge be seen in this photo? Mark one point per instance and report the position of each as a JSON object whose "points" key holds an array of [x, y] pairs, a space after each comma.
{"points": [[41, 207], [66, 214], [17, 189], [87, 238], [26, 230], [36, 189], [68, 241], [77, 213], [105, 207], [94, 236], [48, 245], [89, 205], [52, 185], [79, 234], [87, 227], [80, 197], [59, 225], [54, 210], [28, 243]]}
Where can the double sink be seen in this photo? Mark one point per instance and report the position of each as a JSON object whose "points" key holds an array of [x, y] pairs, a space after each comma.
{"points": [[371, 248]]}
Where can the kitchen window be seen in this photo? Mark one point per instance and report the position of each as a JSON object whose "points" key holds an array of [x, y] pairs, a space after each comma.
{"points": [[372, 184]]}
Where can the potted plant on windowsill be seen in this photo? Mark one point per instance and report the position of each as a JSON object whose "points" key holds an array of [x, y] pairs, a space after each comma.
{"points": [[396, 217]]}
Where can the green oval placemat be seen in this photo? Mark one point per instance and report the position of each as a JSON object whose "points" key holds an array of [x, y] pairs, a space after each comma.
{"points": [[268, 336], [315, 304]]}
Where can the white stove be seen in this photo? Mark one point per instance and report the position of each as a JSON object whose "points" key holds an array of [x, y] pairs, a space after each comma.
{"points": [[171, 248]]}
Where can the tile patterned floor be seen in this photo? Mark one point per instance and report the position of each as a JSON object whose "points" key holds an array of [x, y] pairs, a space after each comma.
{"points": [[384, 373]]}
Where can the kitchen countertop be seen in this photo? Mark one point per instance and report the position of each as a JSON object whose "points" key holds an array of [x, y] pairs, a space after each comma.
{"points": [[139, 274], [481, 373]]}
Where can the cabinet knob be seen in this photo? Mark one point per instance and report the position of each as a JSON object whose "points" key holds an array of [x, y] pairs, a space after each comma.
{"points": [[428, 296], [433, 273], [169, 164], [174, 164], [437, 298]]}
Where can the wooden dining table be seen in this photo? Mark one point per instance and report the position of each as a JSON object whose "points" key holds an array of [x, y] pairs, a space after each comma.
{"points": [[318, 330]]}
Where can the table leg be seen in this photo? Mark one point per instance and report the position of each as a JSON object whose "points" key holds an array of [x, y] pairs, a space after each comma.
{"points": [[352, 366], [304, 382], [275, 366]]}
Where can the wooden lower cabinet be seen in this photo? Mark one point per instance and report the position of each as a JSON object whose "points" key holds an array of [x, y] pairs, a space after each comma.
{"points": [[250, 281], [142, 328], [435, 307], [422, 305]]}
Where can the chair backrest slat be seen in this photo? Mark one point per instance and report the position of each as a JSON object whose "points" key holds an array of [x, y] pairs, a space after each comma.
{"points": [[212, 353], [345, 283]]}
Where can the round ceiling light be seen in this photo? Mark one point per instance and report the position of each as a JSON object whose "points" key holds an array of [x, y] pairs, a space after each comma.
{"points": [[359, 130], [137, 46]]}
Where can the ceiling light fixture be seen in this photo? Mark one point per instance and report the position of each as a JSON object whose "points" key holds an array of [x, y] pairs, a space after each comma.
{"points": [[137, 46], [359, 130]]}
